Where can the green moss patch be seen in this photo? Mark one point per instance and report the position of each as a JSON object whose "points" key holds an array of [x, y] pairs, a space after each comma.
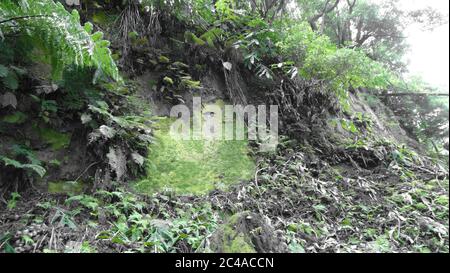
{"points": [[234, 241], [194, 167], [246, 232], [16, 118], [55, 139], [65, 187]]}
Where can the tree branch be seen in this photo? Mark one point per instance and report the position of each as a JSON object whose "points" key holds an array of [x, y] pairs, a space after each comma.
{"points": [[313, 21], [410, 94]]}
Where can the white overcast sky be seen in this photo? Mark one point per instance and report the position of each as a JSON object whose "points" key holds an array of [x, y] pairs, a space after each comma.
{"points": [[429, 54]]}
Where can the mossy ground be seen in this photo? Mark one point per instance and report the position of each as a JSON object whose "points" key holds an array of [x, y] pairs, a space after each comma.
{"points": [[15, 118], [194, 167], [55, 139], [67, 187]]}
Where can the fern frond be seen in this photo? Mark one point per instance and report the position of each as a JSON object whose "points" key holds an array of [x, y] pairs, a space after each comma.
{"points": [[38, 169], [60, 34]]}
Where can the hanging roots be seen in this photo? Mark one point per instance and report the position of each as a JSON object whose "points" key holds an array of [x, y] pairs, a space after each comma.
{"points": [[303, 103], [131, 20]]}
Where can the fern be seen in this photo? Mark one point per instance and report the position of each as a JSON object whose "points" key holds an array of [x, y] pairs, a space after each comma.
{"points": [[34, 164], [16, 164], [48, 25]]}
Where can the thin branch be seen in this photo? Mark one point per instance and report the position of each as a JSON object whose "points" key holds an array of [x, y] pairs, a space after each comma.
{"points": [[22, 17], [414, 94], [313, 21]]}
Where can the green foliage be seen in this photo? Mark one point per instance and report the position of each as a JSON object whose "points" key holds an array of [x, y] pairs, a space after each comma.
{"points": [[423, 116], [78, 90], [193, 39], [349, 126], [48, 108], [59, 34], [65, 218], [376, 27], [89, 202], [12, 202], [32, 165], [234, 241], [10, 77], [302, 51], [39, 170], [163, 60], [5, 242], [135, 129], [213, 36], [132, 226], [320, 58], [15, 118], [226, 9]]}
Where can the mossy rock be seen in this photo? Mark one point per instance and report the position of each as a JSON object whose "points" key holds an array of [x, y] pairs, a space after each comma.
{"points": [[234, 241], [246, 232]]}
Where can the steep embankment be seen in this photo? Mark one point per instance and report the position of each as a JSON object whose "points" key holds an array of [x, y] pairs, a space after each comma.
{"points": [[341, 179]]}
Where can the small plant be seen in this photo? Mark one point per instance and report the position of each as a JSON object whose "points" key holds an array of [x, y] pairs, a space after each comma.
{"points": [[88, 202], [87, 248], [27, 240], [349, 126], [65, 218], [5, 245], [48, 108], [12, 203]]}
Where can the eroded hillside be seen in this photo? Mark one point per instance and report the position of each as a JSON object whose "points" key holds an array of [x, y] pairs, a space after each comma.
{"points": [[87, 163]]}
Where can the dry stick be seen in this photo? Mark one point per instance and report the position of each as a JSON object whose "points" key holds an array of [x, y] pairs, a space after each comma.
{"points": [[39, 244], [414, 95], [51, 239], [87, 169], [55, 242], [256, 179], [354, 163]]}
